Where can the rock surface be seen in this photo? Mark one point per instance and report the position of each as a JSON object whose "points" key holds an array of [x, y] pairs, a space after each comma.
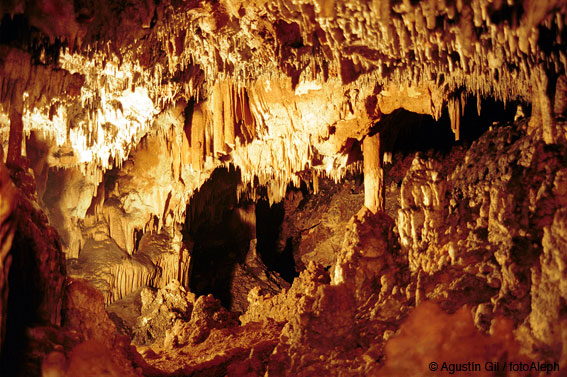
{"points": [[146, 138], [395, 303], [7, 228], [284, 92]]}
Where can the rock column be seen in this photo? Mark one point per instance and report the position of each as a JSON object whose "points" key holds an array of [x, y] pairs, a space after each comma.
{"points": [[16, 129], [373, 174], [218, 120], [197, 138]]}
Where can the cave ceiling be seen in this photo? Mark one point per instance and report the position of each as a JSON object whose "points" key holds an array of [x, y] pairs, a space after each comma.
{"points": [[275, 88]]}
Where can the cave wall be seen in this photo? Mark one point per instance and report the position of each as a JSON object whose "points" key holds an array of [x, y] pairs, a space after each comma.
{"points": [[8, 227], [34, 268]]}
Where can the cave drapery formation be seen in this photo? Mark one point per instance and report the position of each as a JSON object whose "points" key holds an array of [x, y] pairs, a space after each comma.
{"points": [[155, 152]]}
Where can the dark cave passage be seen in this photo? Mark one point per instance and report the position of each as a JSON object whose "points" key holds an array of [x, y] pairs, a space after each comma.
{"points": [[275, 252], [219, 243], [406, 132], [223, 231]]}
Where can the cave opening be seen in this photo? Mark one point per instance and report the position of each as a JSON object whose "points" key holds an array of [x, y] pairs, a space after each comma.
{"points": [[233, 242], [404, 133], [407, 132], [275, 248], [218, 242]]}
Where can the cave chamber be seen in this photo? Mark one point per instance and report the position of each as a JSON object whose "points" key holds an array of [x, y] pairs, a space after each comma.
{"points": [[231, 188]]}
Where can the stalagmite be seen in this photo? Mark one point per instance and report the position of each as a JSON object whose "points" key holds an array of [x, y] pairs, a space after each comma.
{"points": [[373, 174], [184, 269], [315, 182], [542, 109], [197, 138]]}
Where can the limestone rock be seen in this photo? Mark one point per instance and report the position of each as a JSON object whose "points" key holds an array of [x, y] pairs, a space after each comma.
{"points": [[160, 310], [448, 341], [314, 223], [7, 228], [158, 261], [253, 274], [368, 254]]}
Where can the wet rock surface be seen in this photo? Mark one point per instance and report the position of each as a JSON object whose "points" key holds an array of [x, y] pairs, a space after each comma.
{"points": [[477, 249], [314, 223], [390, 294], [150, 142]]}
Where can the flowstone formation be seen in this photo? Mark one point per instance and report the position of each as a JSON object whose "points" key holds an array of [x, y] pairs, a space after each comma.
{"points": [[209, 187]]}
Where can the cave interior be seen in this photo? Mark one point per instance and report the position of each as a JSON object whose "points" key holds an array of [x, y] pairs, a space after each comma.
{"points": [[289, 188]]}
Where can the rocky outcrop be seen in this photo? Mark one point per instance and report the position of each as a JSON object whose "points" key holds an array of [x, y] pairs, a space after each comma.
{"points": [[497, 218], [314, 223], [369, 258], [422, 213], [253, 274], [425, 338], [116, 274], [37, 272], [170, 317], [88, 342], [7, 228]]}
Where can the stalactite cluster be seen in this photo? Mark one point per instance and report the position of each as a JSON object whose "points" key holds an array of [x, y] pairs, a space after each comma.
{"points": [[153, 148]]}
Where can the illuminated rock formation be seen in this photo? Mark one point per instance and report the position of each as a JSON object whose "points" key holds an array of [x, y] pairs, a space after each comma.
{"points": [[323, 168]]}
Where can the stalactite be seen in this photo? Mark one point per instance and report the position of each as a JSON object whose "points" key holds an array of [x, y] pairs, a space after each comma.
{"points": [[209, 132], [315, 182], [155, 266], [454, 108], [185, 150], [176, 156], [228, 104], [197, 138], [248, 124], [218, 116]]}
